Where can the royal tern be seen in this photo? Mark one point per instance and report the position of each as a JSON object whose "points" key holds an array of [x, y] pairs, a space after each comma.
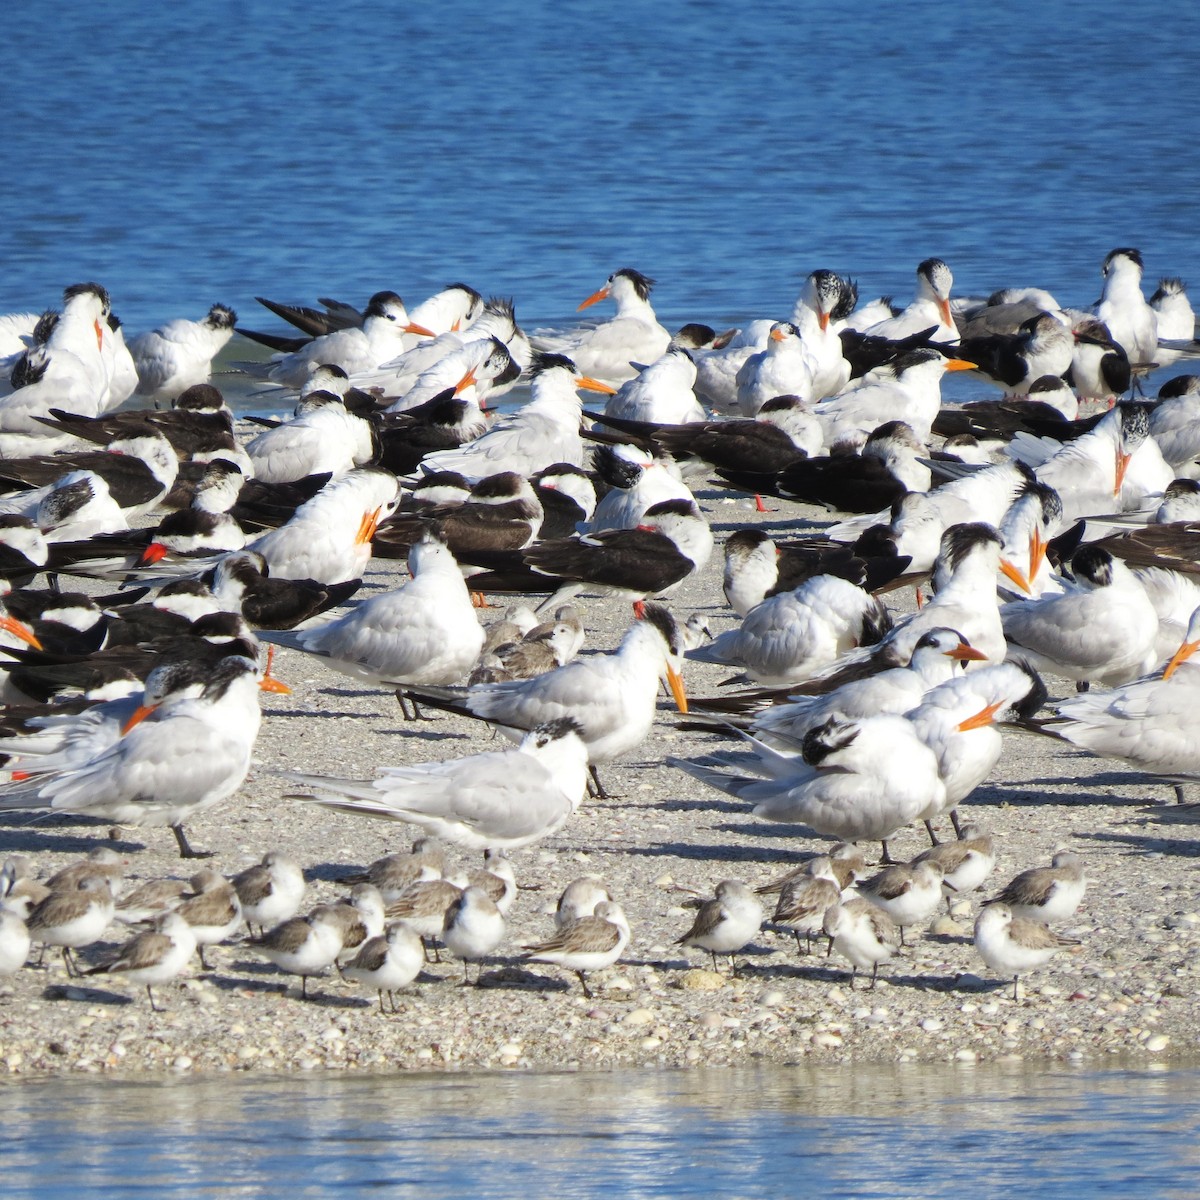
{"points": [[325, 438], [1176, 321], [479, 367], [608, 350], [1175, 422], [174, 761], [636, 481], [930, 308], [784, 368], [502, 799], [789, 637], [663, 392], [1012, 945], [179, 354], [1123, 309], [424, 632], [727, 922], [1104, 630], [590, 943], [610, 698]]}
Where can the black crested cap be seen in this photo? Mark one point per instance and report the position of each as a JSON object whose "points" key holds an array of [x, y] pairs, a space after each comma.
{"points": [[1129, 252], [642, 284], [378, 304], [221, 316], [551, 731], [915, 358], [876, 623], [742, 540], [200, 397], [226, 672], [464, 287], [960, 540], [1181, 385], [28, 369], [831, 735], [846, 302], [1038, 693], [1048, 498], [660, 617], [45, 326], [82, 289], [1134, 420], [930, 265], [549, 362], [933, 637], [1094, 564], [614, 468], [1169, 285], [502, 306]]}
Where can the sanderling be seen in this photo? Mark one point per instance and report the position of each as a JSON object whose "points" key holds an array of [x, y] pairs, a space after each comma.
{"points": [[804, 899], [14, 942], [726, 923], [213, 910], [153, 957], [965, 863], [579, 899], [472, 928], [1050, 893], [303, 946], [424, 906], [908, 894], [1013, 945], [388, 962], [271, 891], [588, 944], [74, 918], [395, 873], [863, 933]]}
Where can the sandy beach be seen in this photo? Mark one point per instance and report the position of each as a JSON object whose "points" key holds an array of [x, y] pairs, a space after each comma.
{"points": [[1128, 990]]}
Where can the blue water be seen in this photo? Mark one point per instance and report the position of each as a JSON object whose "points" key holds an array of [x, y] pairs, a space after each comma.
{"points": [[932, 1131], [185, 154]]}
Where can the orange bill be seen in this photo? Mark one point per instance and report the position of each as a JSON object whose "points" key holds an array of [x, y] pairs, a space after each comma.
{"points": [[594, 385], [944, 309], [139, 715], [468, 380], [155, 552], [367, 527], [960, 364], [1013, 572], [20, 630], [675, 682], [777, 335], [1179, 657], [1122, 467], [594, 298], [985, 716], [965, 653], [823, 320], [419, 329]]}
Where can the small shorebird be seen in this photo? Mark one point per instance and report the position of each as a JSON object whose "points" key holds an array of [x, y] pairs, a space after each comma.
{"points": [[388, 962], [588, 944], [14, 942], [579, 899], [497, 878], [103, 863], [1013, 945], [726, 923], [394, 874], [213, 910], [472, 928], [155, 956], [909, 894], [151, 900], [965, 863], [804, 898], [1050, 893], [361, 918], [862, 933], [270, 891], [423, 907], [303, 946], [73, 918]]}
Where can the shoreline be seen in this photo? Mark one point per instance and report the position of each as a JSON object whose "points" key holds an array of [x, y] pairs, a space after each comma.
{"points": [[1128, 994]]}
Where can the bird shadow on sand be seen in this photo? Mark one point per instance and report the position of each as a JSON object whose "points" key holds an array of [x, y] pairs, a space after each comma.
{"points": [[308, 714], [425, 735], [1148, 843], [82, 993], [47, 834], [701, 853], [282, 985], [679, 805], [1022, 797]]}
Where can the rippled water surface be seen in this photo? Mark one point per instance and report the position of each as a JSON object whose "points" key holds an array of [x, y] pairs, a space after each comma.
{"points": [[183, 154], [931, 1131]]}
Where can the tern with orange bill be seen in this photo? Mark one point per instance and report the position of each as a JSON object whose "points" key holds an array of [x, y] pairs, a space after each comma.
{"points": [[930, 307], [612, 697]]}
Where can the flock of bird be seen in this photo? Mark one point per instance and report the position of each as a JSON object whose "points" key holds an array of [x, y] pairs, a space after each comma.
{"points": [[1052, 529]]}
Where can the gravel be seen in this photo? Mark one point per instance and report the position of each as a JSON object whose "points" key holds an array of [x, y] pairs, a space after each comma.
{"points": [[1130, 988]]}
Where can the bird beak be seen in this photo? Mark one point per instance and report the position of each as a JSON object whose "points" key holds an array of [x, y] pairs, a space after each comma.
{"points": [[594, 298], [366, 529], [823, 320], [964, 653], [456, 327], [594, 385], [1013, 572], [411, 328], [944, 309], [20, 630], [1180, 656], [777, 335], [960, 364], [983, 717], [468, 380], [1122, 467], [1037, 553], [155, 552], [99, 335], [139, 715], [675, 682]]}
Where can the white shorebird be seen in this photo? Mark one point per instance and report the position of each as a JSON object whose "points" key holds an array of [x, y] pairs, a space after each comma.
{"points": [[930, 307], [863, 934], [73, 919], [1050, 893], [303, 946], [662, 392], [325, 437], [1123, 308], [579, 899], [966, 863], [587, 944], [271, 891], [394, 874], [14, 942], [784, 368], [388, 962], [179, 353], [156, 956], [608, 351], [804, 897], [727, 922], [473, 926], [213, 911], [174, 761], [503, 799], [426, 632], [1014, 945], [908, 893]]}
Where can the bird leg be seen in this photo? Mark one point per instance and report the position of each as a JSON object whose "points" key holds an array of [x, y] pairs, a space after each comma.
{"points": [[886, 859], [853, 977], [587, 991], [69, 961], [1016, 981], [153, 1007], [200, 956], [479, 600], [1082, 686], [596, 788], [382, 1011], [185, 849], [956, 823], [901, 936], [933, 837], [875, 966], [405, 700], [1178, 793], [799, 948]]}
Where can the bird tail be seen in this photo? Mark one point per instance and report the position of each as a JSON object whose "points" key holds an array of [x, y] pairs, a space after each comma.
{"points": [[731, 785]]}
